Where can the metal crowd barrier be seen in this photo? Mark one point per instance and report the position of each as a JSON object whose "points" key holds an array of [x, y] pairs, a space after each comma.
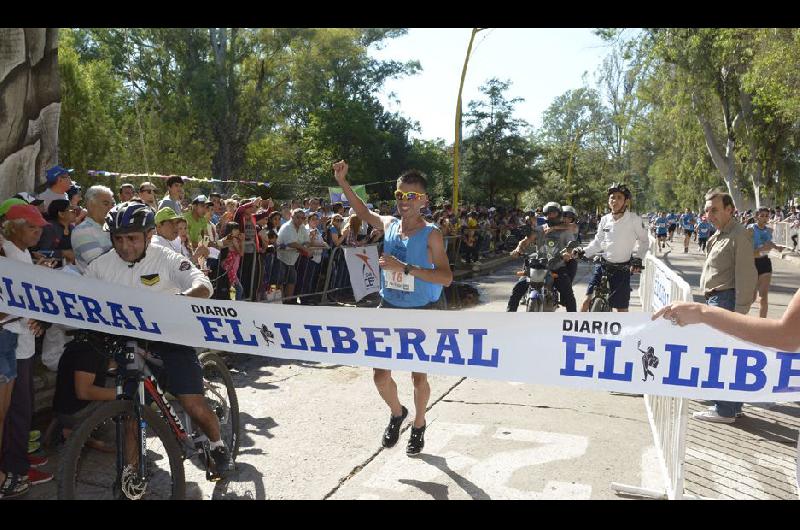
{"points": [[659, 285], [782, 233]]}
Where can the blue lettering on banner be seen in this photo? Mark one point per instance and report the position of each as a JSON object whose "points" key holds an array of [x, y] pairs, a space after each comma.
{"points": [[211, 332], [673, 378], [372, 342], [316, 337], [46, 298], [31, 305], [67, 302], [137, 311], [743, 369], [786, 372], [118, 316], [608, 369], [477, 350], [340, 335], [573, 355], [713, 367], [447, 342], [93, 311], [237, 334], [406, 341], [12, 302], [284, 328]]}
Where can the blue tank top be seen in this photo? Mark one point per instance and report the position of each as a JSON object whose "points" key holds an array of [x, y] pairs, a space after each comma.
{"points": [[413, 251], [760, 236]]}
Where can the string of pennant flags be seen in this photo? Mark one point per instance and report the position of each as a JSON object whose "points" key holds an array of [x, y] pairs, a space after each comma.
{"points": [[96, 173]]}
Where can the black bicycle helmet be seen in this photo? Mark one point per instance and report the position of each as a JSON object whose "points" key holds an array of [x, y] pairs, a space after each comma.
{"points": [[131, 216], [620, 187]]}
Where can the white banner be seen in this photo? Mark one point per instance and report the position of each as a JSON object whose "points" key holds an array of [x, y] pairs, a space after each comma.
{"points": [[362, 264], [622, 352]]}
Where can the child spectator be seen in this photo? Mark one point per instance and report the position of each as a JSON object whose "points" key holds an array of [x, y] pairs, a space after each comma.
{"points": [[233, 260]]}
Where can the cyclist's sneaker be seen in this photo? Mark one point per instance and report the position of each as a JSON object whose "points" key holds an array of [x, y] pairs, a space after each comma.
{"points": [[34, 436], [14, 486], [33, 447], [37, 461], [416, 441], [392, 432], [38, 477], [222, 463]]}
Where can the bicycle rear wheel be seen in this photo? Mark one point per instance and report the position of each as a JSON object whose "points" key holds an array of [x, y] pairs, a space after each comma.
{"points": [[87, 473], [221, 397]]}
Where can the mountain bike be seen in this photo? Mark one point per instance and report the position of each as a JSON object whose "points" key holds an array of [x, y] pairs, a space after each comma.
{"points": [[602, 292], [150, 432]]}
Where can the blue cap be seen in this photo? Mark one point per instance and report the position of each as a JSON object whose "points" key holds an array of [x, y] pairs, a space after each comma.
{"points": [[56, 171]]}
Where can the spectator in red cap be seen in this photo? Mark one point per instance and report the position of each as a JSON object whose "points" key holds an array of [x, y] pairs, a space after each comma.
{"points": [[22, 229]]}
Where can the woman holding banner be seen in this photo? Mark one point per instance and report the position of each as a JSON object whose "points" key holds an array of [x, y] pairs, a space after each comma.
{"points": [[414, 270], [783, 334]]}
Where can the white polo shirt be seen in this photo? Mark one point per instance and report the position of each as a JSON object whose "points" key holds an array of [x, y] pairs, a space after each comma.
{"points": [[617, 240], [289, 234], [161, 270]]}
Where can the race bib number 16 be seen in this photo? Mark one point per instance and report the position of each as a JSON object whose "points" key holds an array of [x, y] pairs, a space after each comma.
{"points": [[399, 280]]}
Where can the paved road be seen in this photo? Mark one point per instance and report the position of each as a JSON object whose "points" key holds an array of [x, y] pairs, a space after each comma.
{"points": [[312, 431]]}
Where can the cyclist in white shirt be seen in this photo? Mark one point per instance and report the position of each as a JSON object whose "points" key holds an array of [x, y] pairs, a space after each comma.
{"points": [[136, 263], [617, 236]]}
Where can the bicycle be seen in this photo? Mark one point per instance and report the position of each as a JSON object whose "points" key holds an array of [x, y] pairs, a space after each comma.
{"points": [[151, 432], [599, 302]]}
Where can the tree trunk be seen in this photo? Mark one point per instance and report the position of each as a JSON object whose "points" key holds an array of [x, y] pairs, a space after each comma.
{"points": [[755, 163], [725, 164], [30, 105]]}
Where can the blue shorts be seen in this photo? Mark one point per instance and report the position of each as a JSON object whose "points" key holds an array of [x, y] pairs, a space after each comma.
{"points": [[619, 283], [182, 372], [8, 356]]}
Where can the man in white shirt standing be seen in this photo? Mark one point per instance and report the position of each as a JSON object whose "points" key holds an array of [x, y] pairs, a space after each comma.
{"points": [[88, 238], [617, 236], [294, 236]]}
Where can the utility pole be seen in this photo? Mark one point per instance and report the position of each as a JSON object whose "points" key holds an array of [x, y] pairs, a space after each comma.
{"points": [[457, 143]]}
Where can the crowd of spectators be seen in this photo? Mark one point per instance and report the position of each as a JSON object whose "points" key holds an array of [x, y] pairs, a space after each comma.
{"points": [[254, 249]]}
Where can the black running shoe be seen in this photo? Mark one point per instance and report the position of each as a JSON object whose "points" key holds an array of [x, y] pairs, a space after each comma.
{"points": [[392, 432], [222, 464], [416, 441]]}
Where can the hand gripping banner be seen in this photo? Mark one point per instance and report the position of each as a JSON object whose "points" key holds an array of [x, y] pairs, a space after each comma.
{"points": [[622, 352]]}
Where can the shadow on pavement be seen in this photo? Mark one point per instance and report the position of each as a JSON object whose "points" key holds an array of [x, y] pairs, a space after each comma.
{"points": [[469, 488]]}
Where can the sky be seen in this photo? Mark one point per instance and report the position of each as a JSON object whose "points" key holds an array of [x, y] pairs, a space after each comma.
{"points": [[542, 64]]}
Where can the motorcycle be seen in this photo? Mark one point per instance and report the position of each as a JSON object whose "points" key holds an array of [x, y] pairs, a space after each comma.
{"points": [[542, 268]]}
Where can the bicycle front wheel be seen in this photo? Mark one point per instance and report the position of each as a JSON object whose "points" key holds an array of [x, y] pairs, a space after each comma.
{"points": [[221, 397], [600, 306], [88, 467]]}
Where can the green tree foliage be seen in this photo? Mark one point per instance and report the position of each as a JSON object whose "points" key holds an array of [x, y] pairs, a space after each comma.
{"points": [[499, 159]]}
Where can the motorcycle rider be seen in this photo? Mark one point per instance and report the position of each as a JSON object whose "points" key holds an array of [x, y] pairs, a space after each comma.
{"points": [[556, 234]]}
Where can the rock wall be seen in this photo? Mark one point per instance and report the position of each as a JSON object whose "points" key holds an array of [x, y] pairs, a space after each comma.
{"points": [[30, 105]]}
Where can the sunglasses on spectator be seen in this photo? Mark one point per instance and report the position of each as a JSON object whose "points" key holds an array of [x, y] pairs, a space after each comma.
{"points": [[148, 190], [300, 216], [408, 195]]}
